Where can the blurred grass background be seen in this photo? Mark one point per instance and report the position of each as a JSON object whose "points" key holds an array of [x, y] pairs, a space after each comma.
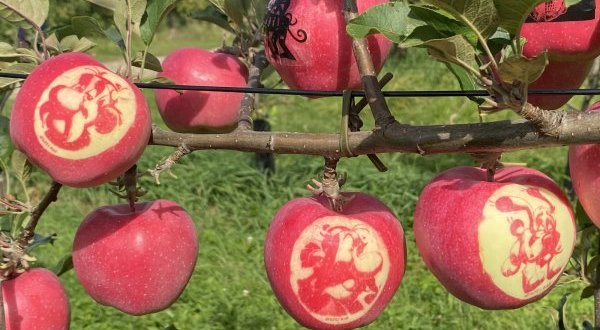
{"points": [[232, 203]]}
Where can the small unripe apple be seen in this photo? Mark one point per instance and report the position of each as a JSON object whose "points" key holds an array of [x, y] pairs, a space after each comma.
{"points": [[81, 123], [35, 300], [306, 42], [559, 75], [196, 111], [334, 270], [585, 174], [496, 244], [138, 261], [570, 35]]}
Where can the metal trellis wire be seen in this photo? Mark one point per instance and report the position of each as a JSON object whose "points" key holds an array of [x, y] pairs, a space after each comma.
{"points": [[320, 93]]}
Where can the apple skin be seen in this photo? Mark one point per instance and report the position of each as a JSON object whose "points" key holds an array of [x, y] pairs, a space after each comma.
{"points": [[583, 166], [564, 40], [72, 113], [195, 111], [137, 262], [559, 75], [479, 240], [35, 300], [324, 61], [308, 245]]}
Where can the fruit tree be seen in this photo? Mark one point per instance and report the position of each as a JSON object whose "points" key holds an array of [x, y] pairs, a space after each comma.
{"points": [[496, 235]]}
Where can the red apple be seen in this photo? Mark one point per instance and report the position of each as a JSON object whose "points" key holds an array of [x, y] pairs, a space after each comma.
{"points": [[81, 123], [35, 300], [499, 244], [195, 111], [335, 270], [559, 75], [585, 174], [137, 262], [569, 35], [306, 42]]}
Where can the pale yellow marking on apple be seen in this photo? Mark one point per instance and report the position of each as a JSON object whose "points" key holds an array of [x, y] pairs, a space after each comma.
{"points": [[80, 122], [511, 244], [374, 256]]}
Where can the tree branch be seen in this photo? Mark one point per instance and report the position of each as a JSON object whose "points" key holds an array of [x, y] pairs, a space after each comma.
{"points": [[575, 128], [378, 104]]}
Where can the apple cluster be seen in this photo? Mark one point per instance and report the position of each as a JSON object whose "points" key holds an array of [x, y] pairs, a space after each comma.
{"points": [[85, 125], [496, 244]]}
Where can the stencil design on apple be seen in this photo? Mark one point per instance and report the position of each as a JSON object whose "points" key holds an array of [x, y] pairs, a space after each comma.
{"points": [[79, 115], [529, 260], [354, 253], [278, 24]]}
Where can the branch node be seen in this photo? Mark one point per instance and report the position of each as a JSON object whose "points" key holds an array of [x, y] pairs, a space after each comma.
{"points": [[167, 163]]}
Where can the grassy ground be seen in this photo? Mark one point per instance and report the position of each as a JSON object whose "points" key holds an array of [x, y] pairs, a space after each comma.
{"points": [[232, 204]]}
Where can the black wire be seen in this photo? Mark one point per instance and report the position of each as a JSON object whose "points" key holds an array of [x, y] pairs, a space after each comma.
{"points": [[319, 93]]}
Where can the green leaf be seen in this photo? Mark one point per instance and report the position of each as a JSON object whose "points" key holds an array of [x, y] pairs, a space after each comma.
{"points": [[113, 35], [155, 12], [132, 10], [5, 224], [108, 4], [89, 27], [73, 44], [41, 240], [497, 41], [455, 50], [236, 11], [8, 83], [6, 146], [64, 265], [21, 166], [161, 80], [152, 62], [407, 25], [512, 13], [21, 11], [480, 15], [523, 69], [85, 26], [582, 219], [587, 292], [213, 15], [465, 80]]}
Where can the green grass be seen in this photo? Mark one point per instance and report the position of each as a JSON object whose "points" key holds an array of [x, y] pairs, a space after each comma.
{"points": [[232, 204]]}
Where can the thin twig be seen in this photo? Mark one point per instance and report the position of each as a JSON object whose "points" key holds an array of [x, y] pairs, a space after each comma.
{"points": [[33, 24], [29, 230], [259, 63], [379, 108], [166, 164]]}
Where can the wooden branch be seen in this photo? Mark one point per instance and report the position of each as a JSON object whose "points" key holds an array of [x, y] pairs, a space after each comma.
{"points": [[575, 128], [379, 108]]}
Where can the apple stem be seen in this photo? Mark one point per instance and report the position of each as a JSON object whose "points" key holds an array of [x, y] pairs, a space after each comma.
{"points": [[130, 181], [379, 108], [489, 161], [330, 186], [259, 63]]}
